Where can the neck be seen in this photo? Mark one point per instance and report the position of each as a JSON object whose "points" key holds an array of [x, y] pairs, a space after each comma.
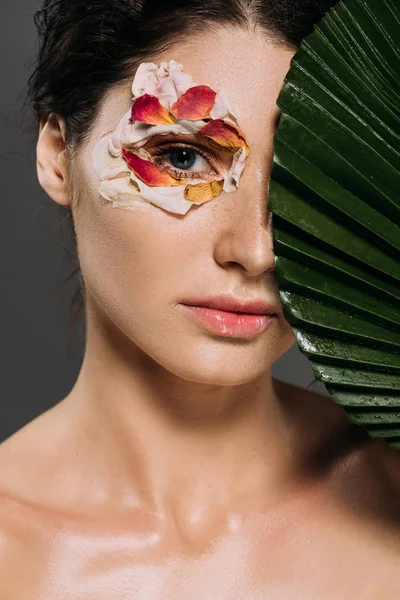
{"points": [[155, 437]]}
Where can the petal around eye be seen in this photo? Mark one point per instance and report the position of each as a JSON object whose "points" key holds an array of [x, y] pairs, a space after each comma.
{"points": [[134, 194], [149, 110], [182, 81], [145, 79], [106, 165], [203, 192], [148, 172], [231, 182], [122, 192], [169, 198], [136, 134], [223, 107], [225, 135], [195, 104]]}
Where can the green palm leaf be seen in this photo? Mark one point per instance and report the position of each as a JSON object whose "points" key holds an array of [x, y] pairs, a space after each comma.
{"points": [[335, 199]]}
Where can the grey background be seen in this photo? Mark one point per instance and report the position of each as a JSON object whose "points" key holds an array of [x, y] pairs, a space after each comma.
{"points": [[38, 367]]}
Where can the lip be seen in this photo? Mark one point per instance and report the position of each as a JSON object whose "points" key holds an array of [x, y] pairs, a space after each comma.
{"points": [[234, 305], [230, 324]]}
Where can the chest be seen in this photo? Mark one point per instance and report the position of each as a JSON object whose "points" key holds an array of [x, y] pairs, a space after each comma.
{"points": [[283, 561]]}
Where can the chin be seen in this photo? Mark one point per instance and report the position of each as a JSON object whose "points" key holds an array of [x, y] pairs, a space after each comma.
{"points": [[218, 364]]}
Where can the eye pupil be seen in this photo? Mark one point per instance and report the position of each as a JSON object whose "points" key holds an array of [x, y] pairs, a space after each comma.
{"points": [[182, 159]]}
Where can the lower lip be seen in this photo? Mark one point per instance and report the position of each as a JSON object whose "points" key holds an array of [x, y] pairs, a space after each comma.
{"points": [[230, 324]]}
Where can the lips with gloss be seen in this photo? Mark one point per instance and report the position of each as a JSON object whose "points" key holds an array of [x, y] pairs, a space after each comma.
{"points": [[230, 324]]}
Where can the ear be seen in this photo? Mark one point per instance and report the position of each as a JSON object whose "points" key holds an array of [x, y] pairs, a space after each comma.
{"points": [[51, 159]]}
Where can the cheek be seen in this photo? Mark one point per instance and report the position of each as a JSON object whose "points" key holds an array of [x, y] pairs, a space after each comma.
{"points": [[133, 262], [116, 251]]}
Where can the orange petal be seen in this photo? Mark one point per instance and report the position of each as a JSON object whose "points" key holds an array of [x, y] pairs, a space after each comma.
{"points": [[148, 171], [148, 109], [223, 134], [195, 104], [203, 192]]}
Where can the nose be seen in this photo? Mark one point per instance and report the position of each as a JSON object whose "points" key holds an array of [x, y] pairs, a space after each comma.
{"points": [[245, 236]]}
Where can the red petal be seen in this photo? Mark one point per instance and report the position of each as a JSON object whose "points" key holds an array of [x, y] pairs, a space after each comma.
{"points": [[148, 109], [203, 192], [148, 171], [195, 104], [224, 135]]}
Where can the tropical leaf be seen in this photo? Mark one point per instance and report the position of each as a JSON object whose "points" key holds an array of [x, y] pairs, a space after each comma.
{"points": [[335, 199]]}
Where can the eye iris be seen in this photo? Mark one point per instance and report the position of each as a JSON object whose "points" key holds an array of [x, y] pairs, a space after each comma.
{"points": [[182, 159]]}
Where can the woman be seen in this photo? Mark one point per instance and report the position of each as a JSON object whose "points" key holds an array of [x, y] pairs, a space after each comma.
{"points": [[177, 467]]}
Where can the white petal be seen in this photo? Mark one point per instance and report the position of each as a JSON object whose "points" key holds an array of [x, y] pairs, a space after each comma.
{"points": [[122, 131], [145, 81], [150, 79], [123, 193], [182, 81], [229, 186], [170, 198], [142, 206], [238, 164], [167, 96], [166, 91], [137, 134], [190, 126], [171, 82], [223, 108], [231, 182], [106, 165], [170, 68]]}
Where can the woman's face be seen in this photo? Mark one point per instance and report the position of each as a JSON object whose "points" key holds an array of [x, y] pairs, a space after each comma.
{"points": [[141, 267]]}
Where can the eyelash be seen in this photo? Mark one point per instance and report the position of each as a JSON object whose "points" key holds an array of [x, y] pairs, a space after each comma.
{"points": [[166, 148]]}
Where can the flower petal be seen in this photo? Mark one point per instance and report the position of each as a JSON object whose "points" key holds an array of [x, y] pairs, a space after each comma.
{"points": [[148, 109], [106, 165], [203, 192], [135, 134], [225, 135], [182, 81], [123, 192], [149, 172], [134, 194], [195, 103], [231, 182], [223, 107], [145, 80], [166, 82], [169, 198], [171, 83]]}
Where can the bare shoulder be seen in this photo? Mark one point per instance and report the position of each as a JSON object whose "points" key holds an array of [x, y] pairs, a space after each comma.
{"points": [[326, 426], [32, 461], [22, 550], [27, 465], [320, 425], [359, 475]]}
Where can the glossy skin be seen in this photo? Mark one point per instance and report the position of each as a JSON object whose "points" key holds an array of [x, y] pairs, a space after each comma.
{"points": [[177, 467]]}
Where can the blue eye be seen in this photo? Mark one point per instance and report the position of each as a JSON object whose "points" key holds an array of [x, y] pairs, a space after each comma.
{"points": [[182, 159]]}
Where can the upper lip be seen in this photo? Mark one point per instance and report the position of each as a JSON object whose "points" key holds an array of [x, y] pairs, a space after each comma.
{"points": [[231, 304]]}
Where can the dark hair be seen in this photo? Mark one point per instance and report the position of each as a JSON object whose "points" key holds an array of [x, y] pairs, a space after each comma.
{"points": [[87, 46]]}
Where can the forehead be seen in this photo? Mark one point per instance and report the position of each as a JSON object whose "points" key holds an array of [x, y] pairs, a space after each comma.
{"points": [[246, 64]]}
